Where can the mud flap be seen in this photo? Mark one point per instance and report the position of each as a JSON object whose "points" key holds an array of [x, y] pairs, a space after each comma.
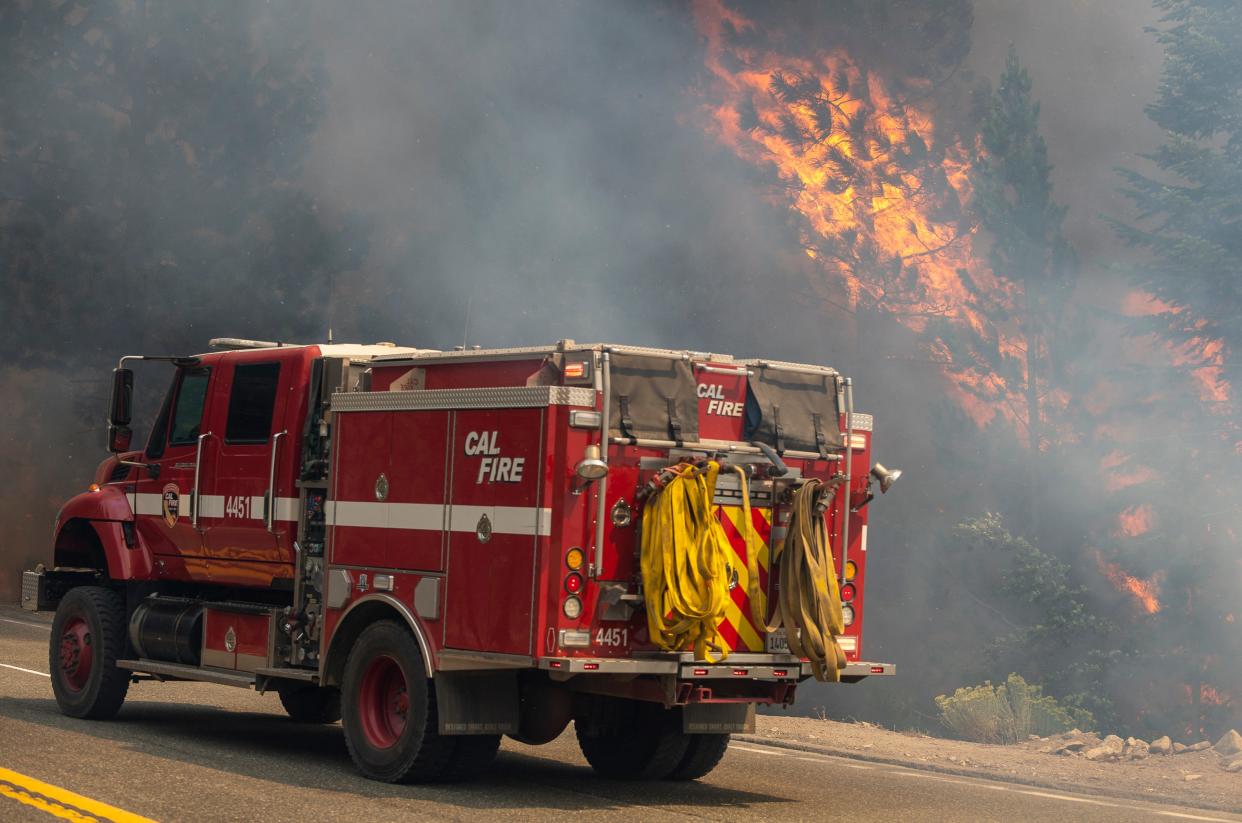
{"points": [[715, 718], [477, 702]]}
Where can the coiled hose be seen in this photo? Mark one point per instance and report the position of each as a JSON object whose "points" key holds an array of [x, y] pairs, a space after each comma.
{"points": [[684, 563]]}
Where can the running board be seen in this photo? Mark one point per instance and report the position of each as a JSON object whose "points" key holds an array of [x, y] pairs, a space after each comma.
{"points": [[180, 671]]}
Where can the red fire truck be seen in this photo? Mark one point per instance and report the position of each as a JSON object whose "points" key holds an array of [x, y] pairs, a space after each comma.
{"points": [[441, 548]]}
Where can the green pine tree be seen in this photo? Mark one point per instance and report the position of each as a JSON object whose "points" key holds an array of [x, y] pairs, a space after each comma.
{"points": [[1013, 203]]}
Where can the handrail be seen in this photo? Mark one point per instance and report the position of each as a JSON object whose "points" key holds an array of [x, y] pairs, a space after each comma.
{"points": [[198, 465], [269, 502], [601, 485]]}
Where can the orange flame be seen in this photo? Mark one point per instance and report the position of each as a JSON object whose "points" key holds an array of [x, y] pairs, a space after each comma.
{"points": [[880, 194], [1134, 521], [1145, 592]]}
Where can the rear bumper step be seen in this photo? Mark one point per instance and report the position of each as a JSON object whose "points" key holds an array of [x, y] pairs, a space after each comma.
{"points": [[741, 666]]}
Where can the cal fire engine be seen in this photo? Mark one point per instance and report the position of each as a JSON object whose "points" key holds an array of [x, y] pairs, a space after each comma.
{"points": [[440, 548]]}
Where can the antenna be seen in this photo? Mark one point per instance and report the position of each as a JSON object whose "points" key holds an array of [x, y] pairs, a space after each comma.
{"points": [[465, 329], [329, 335]]}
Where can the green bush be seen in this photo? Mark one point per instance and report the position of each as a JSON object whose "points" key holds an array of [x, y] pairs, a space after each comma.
{"points": [[1007, 713]]}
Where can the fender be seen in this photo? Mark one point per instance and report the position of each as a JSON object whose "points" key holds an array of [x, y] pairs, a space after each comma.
{"points": [[361, 613], [109, 503], [90, 532]]}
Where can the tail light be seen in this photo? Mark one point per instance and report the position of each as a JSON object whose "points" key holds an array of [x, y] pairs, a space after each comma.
{"points": [[572, 607], [573, 583], [847, 614], [848, 592]]}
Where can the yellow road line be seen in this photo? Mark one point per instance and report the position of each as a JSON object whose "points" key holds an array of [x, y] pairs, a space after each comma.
{"points": [[60, 802]]}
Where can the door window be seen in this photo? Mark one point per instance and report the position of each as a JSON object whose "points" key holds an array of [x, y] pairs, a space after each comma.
{"points": [[188, 411], [251, 403]]}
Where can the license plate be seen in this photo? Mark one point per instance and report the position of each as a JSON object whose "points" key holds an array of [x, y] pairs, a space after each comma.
{"points": [[777, 642]]}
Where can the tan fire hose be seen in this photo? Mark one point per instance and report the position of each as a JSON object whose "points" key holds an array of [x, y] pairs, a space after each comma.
{"points": [[684, 564], [809, 606]]}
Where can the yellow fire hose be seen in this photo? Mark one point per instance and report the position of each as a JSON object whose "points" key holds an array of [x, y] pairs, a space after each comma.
{"points": [[684, 563]]}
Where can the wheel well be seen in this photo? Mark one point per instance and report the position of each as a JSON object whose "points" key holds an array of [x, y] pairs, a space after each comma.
{"points": [[356, 619], [78, 546]]}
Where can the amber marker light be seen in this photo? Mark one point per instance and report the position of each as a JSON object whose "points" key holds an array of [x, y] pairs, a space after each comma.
{"points": [[574, 558], [851, 569]]}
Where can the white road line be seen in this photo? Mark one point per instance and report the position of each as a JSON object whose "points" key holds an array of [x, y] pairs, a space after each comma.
{"points": [[757, 751], [43, 626], [835, 762], [27, 671], [1052, 796], [1194, 817]]}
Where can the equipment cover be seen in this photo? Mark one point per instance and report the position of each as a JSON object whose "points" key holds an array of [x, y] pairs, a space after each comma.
{"points": [[793, 411], [653, 398]]}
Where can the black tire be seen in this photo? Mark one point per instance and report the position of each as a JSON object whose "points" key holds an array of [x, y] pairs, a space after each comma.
{"points": [[702, 755], [639, 741], [311, 704], [418, 753], [88, 637]]}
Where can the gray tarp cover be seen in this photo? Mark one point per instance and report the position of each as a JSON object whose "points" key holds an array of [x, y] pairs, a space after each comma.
{"points": [[653, 396], [798, 404]]}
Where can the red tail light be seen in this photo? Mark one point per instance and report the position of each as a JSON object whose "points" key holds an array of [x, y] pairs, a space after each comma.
{"points": [[848, 592], [573, 583]]}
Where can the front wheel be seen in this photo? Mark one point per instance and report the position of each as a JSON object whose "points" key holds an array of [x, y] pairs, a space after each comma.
{"points": [[88, 637]]}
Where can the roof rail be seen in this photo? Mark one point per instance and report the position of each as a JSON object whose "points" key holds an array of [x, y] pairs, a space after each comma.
{"points": [[232, 343]]}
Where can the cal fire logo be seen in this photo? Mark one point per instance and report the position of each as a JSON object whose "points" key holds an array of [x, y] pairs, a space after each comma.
{"points": [[716, 403], [493, 468], [171, 504]]}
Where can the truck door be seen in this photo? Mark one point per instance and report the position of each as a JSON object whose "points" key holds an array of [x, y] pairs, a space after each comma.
{"points": [[162, 503], [250, 468], [495, 525]]}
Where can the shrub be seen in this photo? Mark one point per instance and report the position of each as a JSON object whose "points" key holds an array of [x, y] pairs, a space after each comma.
{"points": [[1007, 713]]}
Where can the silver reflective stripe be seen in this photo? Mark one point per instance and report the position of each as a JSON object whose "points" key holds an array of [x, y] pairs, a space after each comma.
{"points": [[213, 506], [526, 520]]}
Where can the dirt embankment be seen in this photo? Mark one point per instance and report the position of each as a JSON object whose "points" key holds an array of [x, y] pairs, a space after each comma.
{"points": [[1197, 777]]}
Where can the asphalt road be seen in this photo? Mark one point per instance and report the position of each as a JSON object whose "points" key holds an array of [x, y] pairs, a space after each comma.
{"points": [[190, 751]]}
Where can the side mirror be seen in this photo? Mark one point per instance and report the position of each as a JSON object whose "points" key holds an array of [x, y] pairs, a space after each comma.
{"points": [[122, 410], [119, 438]]}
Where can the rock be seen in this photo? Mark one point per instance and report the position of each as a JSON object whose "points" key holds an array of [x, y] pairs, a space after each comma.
{"points": [[1178, 748], [1101, 753], [1192, 777], [1200, 746], [1114, 743], [1071, 747], [1135, 749], [1234, 765], [1161, 745], [1229, 744]]}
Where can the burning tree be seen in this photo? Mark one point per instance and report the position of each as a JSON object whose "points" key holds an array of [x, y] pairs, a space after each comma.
{"points": [[1188, 301]]}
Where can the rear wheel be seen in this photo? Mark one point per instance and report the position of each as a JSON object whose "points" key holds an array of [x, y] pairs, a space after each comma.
{"points": [[88, 637], [311, 704], [632, 740], [388, 710], [702, 755]]}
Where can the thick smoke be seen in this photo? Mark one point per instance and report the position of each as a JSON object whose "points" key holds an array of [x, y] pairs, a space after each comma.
{"points": [[511, 173]]}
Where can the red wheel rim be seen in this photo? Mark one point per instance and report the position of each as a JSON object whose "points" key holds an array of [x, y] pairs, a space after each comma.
{"points": [[76, 654], [383, 702]]}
